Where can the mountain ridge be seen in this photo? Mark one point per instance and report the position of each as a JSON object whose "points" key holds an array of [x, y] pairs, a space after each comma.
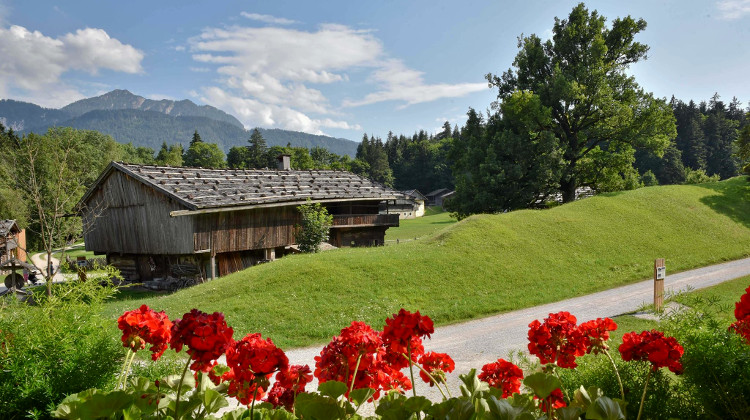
{"points": [[130, 118]]}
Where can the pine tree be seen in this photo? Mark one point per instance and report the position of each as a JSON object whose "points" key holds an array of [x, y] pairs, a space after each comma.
{"points": [[196, 138], [256, 157]]}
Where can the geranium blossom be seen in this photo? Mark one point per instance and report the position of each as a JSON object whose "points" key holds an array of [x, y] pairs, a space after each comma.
{"points": [[557, 340], [437, 364], [402, 335], [555, 399], [502, 375], [145, 326], [654, 347], [252, 361], [206, 336], [742, 314], [596, 334], [289, 383]]}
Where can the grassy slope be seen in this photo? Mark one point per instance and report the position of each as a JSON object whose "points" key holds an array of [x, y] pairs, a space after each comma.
{"points": [[482, 265], [430, 223]]}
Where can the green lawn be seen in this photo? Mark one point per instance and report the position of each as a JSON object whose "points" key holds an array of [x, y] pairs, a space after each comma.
{"points": [[719, 300], [433, 221], [78, 250], [483, 265]]}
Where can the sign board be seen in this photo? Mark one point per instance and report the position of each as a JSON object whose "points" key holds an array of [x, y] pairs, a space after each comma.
{"points": [[661, 273]]}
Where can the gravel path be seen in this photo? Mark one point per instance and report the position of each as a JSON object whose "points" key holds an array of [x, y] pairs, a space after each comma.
{"points": [[474, 343]]}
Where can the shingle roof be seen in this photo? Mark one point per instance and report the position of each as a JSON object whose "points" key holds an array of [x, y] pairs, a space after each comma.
{"points": [[414, 194], [199, 188], [6, 226]]}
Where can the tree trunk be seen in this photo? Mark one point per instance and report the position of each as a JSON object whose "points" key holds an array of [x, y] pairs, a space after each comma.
{"points": [[50, 273], [568, 189]]}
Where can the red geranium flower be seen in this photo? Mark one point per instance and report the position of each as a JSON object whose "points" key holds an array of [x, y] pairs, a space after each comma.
{"points": [[338, 359], [437, 364], [252, 361], [502, 375], [556, 399], [557, 340], [596, 333], [403, 332], [144, 325], [206, 337], [654, 347], [289, 383], [742, 314]]}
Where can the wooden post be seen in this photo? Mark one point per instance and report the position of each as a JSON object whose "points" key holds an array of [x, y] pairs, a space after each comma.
{"points": [[660, 271], [213, 255]]}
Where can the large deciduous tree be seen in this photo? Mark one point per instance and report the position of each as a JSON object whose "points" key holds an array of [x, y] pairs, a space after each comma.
{"points": [[596, 109]]}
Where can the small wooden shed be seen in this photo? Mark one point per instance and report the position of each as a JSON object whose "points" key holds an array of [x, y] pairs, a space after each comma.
{"points": [[12, 241], [157, 221]]}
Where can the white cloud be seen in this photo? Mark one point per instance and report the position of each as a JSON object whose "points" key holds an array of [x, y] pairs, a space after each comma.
{"points": [[159, 97], [35, 63], [277, 77], [258, 113], [733, 9], [200, 69], [179, 48], [401, 83], [268, 19]]}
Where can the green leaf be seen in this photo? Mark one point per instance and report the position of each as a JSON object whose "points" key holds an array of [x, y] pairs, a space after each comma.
{"points": [[236, 414], [542, 384], [502, 410], [453, 409], [333, 389], [568, 413], [93, 404], [604, 408], [393, 407], [359, 396], [213, 401], [318, 407], [132, 413], [417, 404]]}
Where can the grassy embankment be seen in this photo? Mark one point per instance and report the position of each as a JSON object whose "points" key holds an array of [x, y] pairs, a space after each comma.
{"points": [[434, 220], [482, 265]]}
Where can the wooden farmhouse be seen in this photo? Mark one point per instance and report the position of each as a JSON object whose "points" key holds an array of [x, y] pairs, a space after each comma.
{"points": [[156, 221], [12, 241]]}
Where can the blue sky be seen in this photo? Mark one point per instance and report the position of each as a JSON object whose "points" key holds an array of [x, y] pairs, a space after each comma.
{"points": [[339, 68]]}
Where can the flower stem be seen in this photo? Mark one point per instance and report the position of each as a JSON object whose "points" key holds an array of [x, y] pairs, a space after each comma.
{"points": [[356, 368], [411, 372], [121, 379], [179, 391], [617, 374], [252, 405], [432, 378], [643, 397]]}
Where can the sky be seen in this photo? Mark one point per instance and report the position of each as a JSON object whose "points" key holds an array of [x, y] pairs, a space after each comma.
{"points": [[340, 68]]}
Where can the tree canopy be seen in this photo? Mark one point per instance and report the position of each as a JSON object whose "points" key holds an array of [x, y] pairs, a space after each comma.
{"points": [[597, 113]]}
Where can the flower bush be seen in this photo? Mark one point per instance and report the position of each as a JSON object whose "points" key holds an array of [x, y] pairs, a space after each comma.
{"points": [[362, 364]]}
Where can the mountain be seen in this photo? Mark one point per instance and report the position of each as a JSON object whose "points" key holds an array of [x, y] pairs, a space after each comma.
{"points": [[123, 99], [20, 116], [130, 118]]}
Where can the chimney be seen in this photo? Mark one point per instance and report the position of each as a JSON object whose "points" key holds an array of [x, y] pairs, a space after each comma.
{"points": [[284, 162]]}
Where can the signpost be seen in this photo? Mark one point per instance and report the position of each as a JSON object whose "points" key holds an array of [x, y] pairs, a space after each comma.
{"points": [[660, 272]]}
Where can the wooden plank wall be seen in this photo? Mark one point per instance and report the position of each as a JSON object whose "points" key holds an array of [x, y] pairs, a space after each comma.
{"points": [[124, 216], [245, 230]]}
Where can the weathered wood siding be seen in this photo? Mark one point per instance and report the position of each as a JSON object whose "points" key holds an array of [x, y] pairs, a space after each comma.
{"points": [[245, 230], [124, 216]]}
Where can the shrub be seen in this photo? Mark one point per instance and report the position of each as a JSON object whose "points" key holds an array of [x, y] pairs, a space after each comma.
{"points": [[57, 347], [316, 223]]}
